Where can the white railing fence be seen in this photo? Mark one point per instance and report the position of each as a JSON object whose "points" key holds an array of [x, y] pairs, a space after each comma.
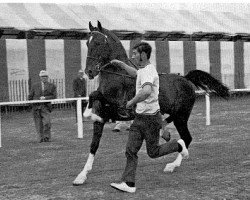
{"points": [[79, 108], [208, 103]]}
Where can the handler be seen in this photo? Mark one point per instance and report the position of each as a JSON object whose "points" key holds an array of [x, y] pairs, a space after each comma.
{"points": [[148, 120]]}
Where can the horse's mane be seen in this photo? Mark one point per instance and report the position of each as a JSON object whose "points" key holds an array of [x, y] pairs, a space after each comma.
{"points": [[111, 34], [118, 48]]}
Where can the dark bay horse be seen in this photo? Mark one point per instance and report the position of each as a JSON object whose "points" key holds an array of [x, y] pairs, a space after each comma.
{"points": [[116, 87]]}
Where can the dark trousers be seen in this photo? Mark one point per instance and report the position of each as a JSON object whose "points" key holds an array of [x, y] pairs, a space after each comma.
{"points": [[145, 127], [42, 123]]}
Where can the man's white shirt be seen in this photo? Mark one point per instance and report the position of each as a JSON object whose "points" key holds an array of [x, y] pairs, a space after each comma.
{"points": [[148, 76]]}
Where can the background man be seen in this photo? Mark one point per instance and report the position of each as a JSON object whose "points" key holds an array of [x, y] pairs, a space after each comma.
{"points": [[79, 87], [43, 90]]}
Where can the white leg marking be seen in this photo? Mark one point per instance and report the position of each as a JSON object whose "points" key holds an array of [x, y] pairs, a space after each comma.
{"points": [[82, 177], [171, 166], [95, 117], [87, 112]]}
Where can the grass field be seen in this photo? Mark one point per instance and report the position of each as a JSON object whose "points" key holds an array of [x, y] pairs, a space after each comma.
{"points": [[218, 167]]}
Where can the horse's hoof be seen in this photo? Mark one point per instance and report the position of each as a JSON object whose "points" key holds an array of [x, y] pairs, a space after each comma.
{"points": [[87, 113], [95, 117], [77, 184], [169, 168], [79, 181]]}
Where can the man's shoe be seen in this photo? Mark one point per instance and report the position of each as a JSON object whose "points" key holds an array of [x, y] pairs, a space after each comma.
{"points": [[116, 130], [123, 187], [184, 151]]}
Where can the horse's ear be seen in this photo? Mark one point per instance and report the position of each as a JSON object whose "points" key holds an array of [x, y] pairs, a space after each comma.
{"points": [[91, 28], [99, 25]]}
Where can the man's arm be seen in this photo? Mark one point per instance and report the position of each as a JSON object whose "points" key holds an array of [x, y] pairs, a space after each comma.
{"points": [[131, 71], [140, 96]]}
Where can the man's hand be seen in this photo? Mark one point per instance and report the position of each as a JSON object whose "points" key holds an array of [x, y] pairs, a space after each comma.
{"points": [[42, 98], [115, 61]]}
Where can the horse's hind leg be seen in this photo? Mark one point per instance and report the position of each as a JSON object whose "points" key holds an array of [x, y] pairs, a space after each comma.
{"points": [[182, 127], [82, 176]]}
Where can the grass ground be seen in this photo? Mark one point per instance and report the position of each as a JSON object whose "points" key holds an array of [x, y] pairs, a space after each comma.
{"points": [[218, 167]]}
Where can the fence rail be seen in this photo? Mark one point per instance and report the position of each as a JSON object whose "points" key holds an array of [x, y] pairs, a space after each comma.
{"points": [[79, 111], [18, 90]]}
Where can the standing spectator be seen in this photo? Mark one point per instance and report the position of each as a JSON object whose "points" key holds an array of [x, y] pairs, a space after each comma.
{"points": [[79, 87], [43, 90]]}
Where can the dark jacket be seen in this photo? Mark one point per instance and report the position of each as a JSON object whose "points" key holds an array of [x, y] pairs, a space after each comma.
{"points": [[36, 92], [79, 87]]}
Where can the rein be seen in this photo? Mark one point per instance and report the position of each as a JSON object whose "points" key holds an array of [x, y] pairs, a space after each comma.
{"points": [[110, 72]]}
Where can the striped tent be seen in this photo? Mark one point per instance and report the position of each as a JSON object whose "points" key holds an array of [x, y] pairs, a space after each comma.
{"points": [[228, 18], [22, 59]]}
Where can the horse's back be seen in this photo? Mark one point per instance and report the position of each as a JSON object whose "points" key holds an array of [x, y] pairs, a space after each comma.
{"points": [[175, 93]]}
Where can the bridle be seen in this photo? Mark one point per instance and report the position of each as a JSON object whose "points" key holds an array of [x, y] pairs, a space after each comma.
{"points": [[101, 68]]}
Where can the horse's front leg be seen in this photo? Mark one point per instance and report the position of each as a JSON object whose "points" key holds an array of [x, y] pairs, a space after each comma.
{"points": [[97, 134], [82, 176], [90, 111]]}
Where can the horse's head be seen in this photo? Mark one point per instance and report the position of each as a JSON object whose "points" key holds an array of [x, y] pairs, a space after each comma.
{"points": [[103, 46]]}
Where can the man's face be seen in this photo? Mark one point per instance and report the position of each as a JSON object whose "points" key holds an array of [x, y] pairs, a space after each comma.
{"points": [[44, 79], [136, 56]]}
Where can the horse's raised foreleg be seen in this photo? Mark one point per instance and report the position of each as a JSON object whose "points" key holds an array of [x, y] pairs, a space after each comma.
{"points": [[90, 111]]}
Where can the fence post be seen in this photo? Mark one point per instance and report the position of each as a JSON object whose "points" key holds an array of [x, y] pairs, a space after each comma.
{"points": [[208, 121], [0, 128], [79, 118]]}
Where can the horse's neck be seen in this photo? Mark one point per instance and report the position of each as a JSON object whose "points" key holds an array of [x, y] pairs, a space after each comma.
{"points": [[118, 52]]}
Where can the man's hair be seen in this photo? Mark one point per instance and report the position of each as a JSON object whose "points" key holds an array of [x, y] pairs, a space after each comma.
{"points": [[143, 47]]}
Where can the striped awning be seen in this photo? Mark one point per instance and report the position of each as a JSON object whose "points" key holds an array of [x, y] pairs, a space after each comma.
{"points": [[154, 19]]}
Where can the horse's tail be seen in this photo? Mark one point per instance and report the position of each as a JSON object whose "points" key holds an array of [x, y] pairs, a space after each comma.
{"points": [[208, 83]]}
